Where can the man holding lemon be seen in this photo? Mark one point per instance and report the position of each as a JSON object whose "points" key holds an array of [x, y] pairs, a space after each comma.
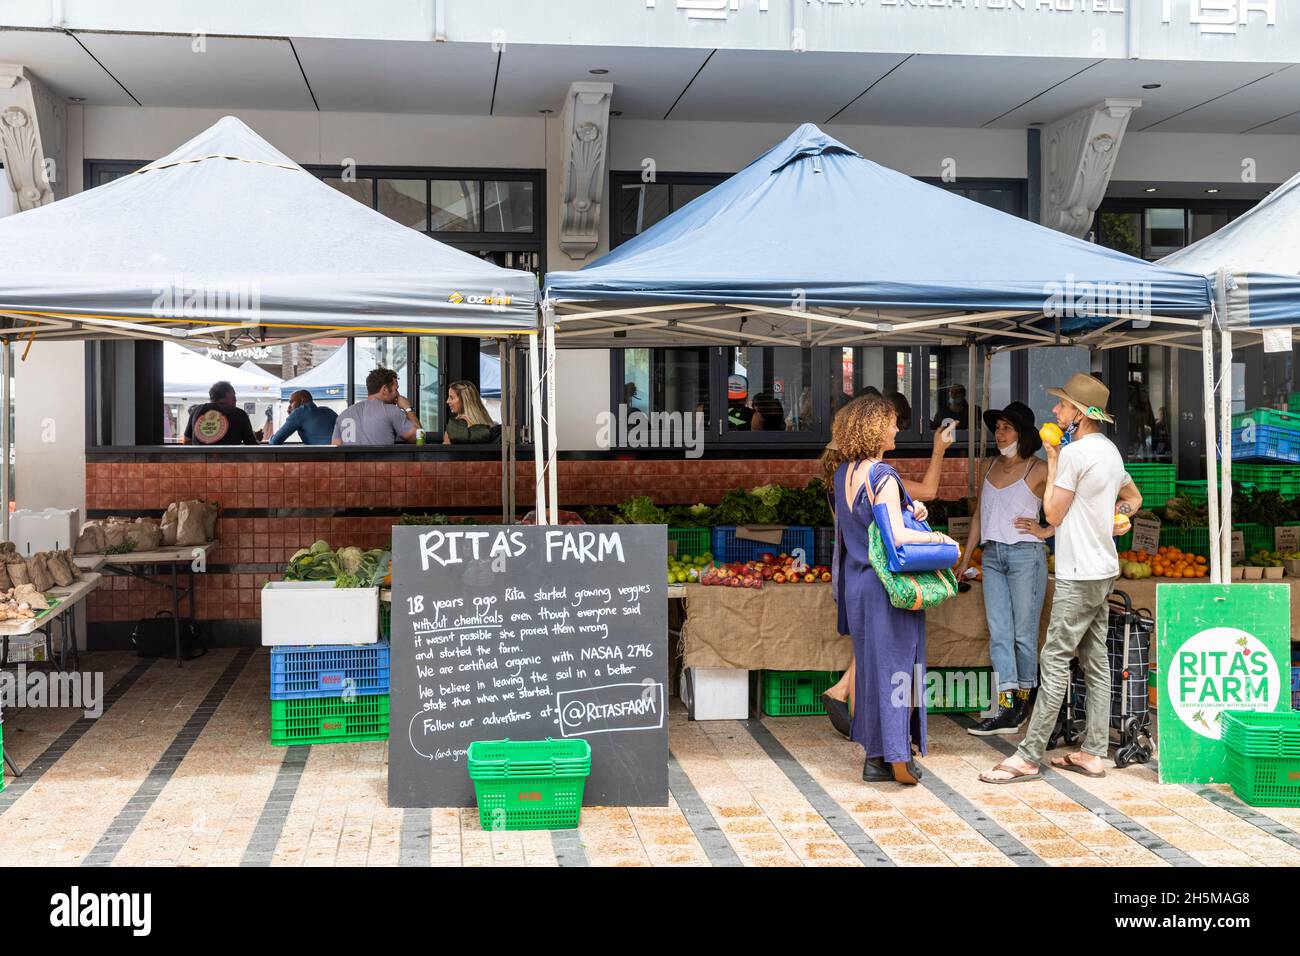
{"points": [[1088, 499]]}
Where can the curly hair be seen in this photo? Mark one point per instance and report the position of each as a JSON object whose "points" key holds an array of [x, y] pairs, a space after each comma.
{"points": [[861, 428]]}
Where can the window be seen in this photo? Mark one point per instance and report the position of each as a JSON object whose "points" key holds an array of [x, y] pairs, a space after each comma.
{"points": [[639, 205], [769, 389], [362, 190], [455, 205], [507, 206], [1150, 231], [404, 201], [1149, 401], [430, 406], [886, 370], [665, 380]]}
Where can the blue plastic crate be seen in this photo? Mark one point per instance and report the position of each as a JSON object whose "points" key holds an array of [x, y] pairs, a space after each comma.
{"points": [[301, 672], [1271, 444], [729, 549]]}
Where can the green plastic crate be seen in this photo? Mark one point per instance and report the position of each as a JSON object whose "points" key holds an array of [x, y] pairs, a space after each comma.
{"points": [[1191, 541], [959, 690], [1264, 781], [1154, 479], [1255, 536], [1293, 402], [529, 784], [796, 693], [692, 541], [329, 720], [1255, 733], [1267, 416], [1284, 479]]}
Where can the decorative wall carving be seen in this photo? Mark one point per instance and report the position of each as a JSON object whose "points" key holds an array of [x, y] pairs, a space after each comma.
{"points": [[32, 128], [585, 122], [1079, 154]]}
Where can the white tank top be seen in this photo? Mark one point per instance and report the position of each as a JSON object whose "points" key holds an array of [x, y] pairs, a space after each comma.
{"points": [[1000, 507]]}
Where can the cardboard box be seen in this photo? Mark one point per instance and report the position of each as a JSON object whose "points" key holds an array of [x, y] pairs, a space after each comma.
{"points": [[716, 693], [316, 612]]}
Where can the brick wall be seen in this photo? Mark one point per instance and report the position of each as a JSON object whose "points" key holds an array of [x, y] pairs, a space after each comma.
{"points": [[271, 509]]}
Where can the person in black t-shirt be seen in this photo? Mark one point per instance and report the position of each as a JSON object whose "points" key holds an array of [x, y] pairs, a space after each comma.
{"points": [[220, 421]]}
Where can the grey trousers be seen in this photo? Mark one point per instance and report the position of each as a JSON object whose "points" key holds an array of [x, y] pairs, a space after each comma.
{"points": [[1077, 626]]}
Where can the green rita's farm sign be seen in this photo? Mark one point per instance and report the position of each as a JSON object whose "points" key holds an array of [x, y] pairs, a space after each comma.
{"points": [[1221, 648]]}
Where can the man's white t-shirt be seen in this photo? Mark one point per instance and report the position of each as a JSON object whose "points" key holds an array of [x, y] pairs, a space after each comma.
{"points": [[1092, 468]]}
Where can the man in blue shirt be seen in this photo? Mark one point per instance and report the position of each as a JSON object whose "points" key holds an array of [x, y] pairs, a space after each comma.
{"points": [[314, 423]]}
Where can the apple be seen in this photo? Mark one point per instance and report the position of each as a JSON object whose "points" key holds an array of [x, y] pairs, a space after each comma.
{"points": [[809, 578], [826, 577], [779, 577]]}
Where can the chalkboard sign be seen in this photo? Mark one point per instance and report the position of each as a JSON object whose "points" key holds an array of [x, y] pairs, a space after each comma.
{"points": [[527, 633]]}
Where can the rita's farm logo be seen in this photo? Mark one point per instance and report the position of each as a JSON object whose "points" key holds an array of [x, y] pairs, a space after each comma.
{"points": [[1219, 669]]}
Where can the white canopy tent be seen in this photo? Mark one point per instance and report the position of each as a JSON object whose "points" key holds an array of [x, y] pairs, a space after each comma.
{"points": [[226, 242], [189, 375], [1255, 263]]}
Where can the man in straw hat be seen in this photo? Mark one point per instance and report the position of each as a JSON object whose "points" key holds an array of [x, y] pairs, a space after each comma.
{"points": [[1088, 499]]}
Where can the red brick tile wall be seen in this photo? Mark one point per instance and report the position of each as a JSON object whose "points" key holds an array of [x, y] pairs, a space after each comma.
{"points": [[436, 485]]}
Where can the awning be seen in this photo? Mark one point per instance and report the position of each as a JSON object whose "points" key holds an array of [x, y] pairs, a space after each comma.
{"points": [[228, 239], [812, 233]]}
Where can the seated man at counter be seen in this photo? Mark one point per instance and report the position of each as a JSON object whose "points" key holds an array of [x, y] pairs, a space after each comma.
{"points": [[220, 421], [312, 422], [383, 417]]}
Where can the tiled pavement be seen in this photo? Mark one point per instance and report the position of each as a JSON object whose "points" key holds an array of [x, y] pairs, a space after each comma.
{"points": [[178, 771]]}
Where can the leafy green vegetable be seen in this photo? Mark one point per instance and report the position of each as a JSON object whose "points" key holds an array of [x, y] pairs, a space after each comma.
{"points": [[642, 510]]}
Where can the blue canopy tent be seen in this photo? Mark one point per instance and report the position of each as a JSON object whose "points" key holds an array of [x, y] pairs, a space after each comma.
{"points": [[1255, 264], [813, 244]]}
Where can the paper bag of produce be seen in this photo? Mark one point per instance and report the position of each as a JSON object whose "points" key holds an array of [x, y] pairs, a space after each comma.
{"points": [[91, 539], [115, 532], [17, 568], [72, 564], [39, 571], [191, 528], [169, 521], [60, 568], [5, 583], [144, 534]]}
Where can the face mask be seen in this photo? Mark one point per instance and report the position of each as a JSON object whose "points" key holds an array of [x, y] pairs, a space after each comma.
{"points": [[1010, 450]]}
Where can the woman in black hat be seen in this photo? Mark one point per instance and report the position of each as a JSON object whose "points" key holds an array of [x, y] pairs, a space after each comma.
{"points": [[1006, 524]]}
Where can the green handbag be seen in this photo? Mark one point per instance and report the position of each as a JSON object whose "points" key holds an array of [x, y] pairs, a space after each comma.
{"points": [[913, 591]]}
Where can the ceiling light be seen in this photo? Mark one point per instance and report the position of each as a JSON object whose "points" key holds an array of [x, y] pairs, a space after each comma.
{"points": [[76, 99], [546, 112], [1212, 191], [598, 72], [1150, 189], [1151, 86], [615, 112], [1035, 125]]}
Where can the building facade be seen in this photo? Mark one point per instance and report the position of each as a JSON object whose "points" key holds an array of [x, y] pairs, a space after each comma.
{"points": [[543, 134]]}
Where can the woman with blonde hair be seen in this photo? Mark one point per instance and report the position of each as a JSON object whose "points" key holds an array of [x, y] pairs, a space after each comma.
{"points": [[470, 422], [838, 699], [888, 643]]}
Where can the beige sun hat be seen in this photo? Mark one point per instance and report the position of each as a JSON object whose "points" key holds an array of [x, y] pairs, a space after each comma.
{"points": [[1087, 394]]}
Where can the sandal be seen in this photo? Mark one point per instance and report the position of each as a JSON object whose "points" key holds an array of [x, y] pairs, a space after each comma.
{"points": [[1017, 775], [1067, 764]]}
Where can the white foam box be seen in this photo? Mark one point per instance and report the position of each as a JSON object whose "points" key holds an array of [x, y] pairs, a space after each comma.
{"points": [[54, 529], [301, 613], [717, 693]]}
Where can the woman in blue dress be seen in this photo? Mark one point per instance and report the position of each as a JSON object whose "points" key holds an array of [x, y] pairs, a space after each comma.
{"points": [[888, 643]]}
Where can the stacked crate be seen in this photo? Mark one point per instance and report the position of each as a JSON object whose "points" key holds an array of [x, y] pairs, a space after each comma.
{"points": [[326, 695]]}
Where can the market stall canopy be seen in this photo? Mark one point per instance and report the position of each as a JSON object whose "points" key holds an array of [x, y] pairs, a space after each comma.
{"points": [[252, 368], [812, 234], [187, 376], [328, 381], [229, 241], [1260, 251]]}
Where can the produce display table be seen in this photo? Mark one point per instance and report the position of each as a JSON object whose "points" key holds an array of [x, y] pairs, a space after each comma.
{"points": [[164, 563], [793, 627], [68, 598]]}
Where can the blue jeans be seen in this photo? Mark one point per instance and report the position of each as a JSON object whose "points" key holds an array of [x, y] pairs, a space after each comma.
{"points": [[1015, 583]]}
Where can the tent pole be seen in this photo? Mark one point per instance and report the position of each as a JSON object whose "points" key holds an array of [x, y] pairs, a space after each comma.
{"points": [[539, 472], [552, 426], [1211, 486], [513, 460], [1225, 417], [988, 367], [503, 364], [6, 370], [971, 349]]}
